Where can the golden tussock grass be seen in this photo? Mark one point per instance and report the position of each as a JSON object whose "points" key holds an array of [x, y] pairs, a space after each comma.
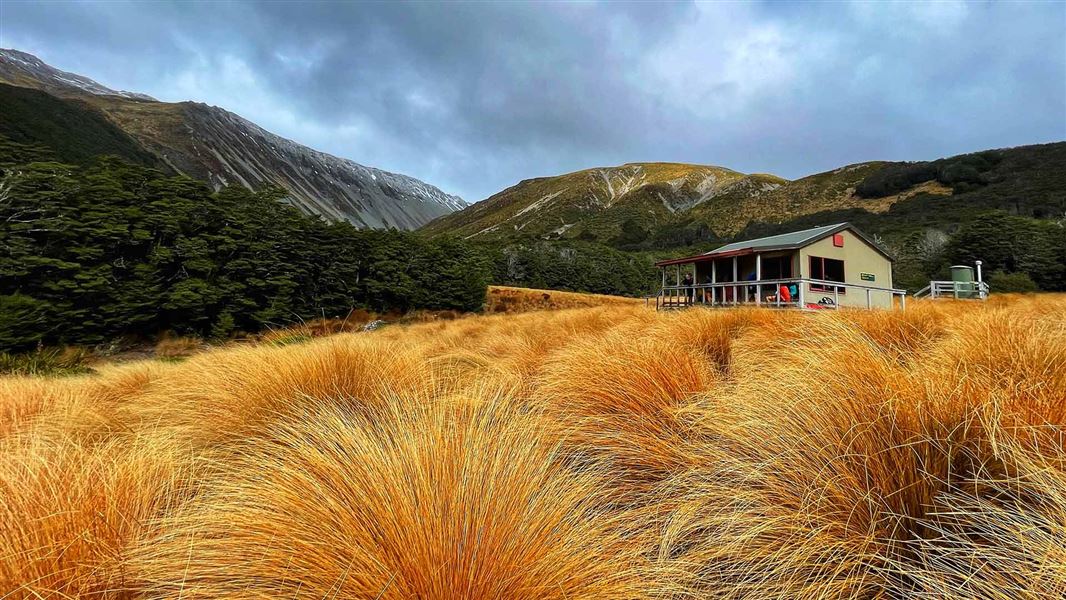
{"points": [[443, 501], [506, 299], [71, 512], [172, 346], [596, 452]]}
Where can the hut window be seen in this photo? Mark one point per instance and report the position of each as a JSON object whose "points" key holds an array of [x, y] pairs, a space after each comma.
{"points": [[826, 269], [777, 267], [838, 240]]}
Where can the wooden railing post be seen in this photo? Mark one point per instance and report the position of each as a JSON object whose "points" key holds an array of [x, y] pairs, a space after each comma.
{"points": [[758, 278]]}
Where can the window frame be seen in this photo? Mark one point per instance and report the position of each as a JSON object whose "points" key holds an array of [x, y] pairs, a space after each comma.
{"points": [[783, 264], [815, 287]]}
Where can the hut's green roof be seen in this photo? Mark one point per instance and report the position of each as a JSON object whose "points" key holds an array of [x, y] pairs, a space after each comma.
{"points": [[796, 239], [784, 241], [793, 240]]}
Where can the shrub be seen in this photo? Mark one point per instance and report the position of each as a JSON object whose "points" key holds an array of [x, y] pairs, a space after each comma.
{"points": [[46, 361], [1002, 282], [171, 346], [895, 178]]}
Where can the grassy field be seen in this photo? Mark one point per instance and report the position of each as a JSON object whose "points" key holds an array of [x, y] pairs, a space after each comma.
{"points": [[597, 452], [506, 299]]}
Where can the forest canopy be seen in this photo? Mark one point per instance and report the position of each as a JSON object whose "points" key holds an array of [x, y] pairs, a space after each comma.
{"points": [[111, 248]]}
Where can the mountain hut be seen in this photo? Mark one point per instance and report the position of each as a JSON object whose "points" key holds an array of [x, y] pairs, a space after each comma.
{"points": [[821, 268]]}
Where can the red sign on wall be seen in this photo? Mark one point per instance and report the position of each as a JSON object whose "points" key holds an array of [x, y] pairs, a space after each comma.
{"points": [[838, 240]]}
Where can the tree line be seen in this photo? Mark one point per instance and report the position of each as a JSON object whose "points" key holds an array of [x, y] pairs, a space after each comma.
{"points": [[111, 248], [1018, 254]]}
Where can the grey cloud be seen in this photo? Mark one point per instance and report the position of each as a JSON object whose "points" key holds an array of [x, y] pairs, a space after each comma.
{"points": [[473, 97]]}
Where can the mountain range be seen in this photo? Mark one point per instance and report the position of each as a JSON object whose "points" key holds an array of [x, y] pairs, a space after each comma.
{"points": [[636, 206], [667, 205], [206, 143]]}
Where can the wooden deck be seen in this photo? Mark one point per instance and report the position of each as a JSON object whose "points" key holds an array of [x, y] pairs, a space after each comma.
{"points": [[765, 294]]}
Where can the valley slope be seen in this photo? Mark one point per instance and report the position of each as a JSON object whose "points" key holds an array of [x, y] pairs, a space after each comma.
{"points": [[657, 206], [219, 147]]}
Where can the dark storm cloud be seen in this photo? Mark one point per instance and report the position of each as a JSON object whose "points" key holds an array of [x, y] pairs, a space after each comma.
{"points": [[474, 97]]}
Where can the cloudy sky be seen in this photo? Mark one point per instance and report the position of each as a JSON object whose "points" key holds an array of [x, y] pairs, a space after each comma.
{"points": [[475, 97]]}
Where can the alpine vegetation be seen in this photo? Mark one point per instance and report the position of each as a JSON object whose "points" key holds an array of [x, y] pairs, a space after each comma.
{"points": [[594, 452]]}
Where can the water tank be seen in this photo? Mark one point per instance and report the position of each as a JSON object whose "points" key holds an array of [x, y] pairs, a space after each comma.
{"points": [[962, 275]]}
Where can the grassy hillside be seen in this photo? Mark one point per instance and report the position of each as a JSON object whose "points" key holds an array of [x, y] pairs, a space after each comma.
{"points": [[595, 204], [71, 129], [1027, 181], [606, 452], [664, 206]]}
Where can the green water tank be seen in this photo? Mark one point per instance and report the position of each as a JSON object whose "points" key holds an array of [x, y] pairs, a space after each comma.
{"points": [[962, 276]]}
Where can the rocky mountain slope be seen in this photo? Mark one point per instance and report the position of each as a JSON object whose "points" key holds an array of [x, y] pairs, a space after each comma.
{"points": [[217, 146], [26, 70]]}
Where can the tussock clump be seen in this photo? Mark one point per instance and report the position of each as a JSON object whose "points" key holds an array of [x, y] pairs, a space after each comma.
{"points": [[23, 398], [840, 470], [998, 535], [618, 397], [69, 512], [995, 361], [505, 299], [806, 482], [903, 335], [441, 502], [714, 332], [83, 408], [173, 347], [239, 391]]}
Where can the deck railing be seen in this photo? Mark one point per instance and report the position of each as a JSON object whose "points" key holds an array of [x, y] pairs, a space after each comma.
{"points": [[767, 293], [976, 290]]}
